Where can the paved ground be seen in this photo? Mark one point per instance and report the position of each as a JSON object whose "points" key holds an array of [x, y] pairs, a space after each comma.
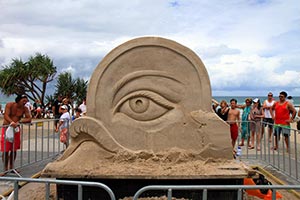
{"points": [[26, 172]]}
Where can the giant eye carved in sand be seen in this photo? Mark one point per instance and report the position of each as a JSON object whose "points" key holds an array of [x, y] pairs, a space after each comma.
{"points": [[143, 106], [137, 98], [150, 94]]}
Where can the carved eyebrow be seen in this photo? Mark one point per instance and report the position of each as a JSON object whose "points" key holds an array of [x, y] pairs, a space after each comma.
{"points": [[137, 74]]}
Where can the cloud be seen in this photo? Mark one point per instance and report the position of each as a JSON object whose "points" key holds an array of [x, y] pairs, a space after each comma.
{"points": [[247, 46], [252, 74], [217, 51]]}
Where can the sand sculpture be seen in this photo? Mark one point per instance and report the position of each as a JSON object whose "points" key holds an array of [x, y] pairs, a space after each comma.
{"points": [[148, 113]]}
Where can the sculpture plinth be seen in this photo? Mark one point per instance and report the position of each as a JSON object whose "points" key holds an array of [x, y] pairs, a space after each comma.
{"points": [[149, 116]]}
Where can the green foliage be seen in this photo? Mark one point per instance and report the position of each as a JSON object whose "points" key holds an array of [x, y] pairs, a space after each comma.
{"points": [[80, 90], [29, 77], [65, 85], [49, 98], [74, 89]]}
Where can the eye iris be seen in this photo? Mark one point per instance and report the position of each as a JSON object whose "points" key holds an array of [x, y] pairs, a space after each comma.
{"points": [[139, 105]]}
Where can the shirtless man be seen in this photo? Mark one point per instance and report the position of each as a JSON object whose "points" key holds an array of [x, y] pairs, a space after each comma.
{"points": [[14, 111], [233, 119]]}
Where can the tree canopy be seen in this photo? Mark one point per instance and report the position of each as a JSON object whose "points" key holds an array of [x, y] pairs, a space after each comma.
{"points": [[74, 89], [29, 77]]}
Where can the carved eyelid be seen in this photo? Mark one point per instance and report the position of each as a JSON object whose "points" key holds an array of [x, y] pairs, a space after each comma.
{"points": [[144, 93], [140, 74]]}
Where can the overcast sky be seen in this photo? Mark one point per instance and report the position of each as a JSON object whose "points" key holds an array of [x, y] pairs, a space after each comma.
{"points": [[249, 47]]}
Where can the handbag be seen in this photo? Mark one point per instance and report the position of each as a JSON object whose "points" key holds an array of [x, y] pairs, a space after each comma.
{"points": [[63, 135], [9, 134]]}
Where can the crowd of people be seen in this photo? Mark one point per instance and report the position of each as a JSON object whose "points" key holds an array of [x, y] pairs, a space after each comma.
{"points": [[62, 112], [48, 111], [257, 115], [277, 115]]}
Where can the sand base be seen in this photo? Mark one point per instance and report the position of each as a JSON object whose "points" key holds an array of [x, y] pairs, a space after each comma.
{"points": [[172, 164]]}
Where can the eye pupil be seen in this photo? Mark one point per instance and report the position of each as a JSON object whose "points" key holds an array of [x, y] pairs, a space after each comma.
{"points": [[139, 105], [139, 102]]}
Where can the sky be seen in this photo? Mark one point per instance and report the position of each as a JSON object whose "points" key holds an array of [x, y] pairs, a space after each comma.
{"points": [[249, 47]]}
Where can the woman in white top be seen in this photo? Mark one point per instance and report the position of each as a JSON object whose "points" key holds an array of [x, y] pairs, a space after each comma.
{"points": [[268, 120]]}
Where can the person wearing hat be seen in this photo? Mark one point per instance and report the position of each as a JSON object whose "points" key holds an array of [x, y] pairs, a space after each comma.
{"points": [[256, 116], [268, 120], [63, 125], [15, 113]]}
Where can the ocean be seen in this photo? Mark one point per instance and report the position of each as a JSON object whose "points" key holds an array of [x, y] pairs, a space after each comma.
{"points": [[240, 99], [4, 99]]}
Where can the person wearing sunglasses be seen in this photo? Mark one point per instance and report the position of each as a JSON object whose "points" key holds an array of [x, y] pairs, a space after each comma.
{"points": [[284, 114], [268, 120]]}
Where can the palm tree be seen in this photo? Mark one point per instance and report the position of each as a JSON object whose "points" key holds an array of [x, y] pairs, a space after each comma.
{"points": [[29, 77], [74, 89]]}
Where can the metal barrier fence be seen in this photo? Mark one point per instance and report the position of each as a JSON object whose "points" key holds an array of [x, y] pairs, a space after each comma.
{"points": [[205, 188], [47, 183], [38, 141], [169, 188], [284, 158]]}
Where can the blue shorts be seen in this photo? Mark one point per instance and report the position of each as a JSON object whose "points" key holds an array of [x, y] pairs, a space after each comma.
{"points": [[284, 130]]}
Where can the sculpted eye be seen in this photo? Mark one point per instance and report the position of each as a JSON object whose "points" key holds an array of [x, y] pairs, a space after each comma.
{"points": [[143, 106]]}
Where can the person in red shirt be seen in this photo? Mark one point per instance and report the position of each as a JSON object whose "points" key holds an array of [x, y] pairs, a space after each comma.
{"points": [[284, 114]]}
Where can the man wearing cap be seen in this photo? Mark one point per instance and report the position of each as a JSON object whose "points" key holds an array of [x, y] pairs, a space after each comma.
{"points": [[63, 125], [13, 116], [268, 120], [283, 118]]}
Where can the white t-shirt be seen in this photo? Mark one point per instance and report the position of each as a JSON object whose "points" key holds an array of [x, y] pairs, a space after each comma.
{"points": [[66, 119], [28, 105], [82, 107]]}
